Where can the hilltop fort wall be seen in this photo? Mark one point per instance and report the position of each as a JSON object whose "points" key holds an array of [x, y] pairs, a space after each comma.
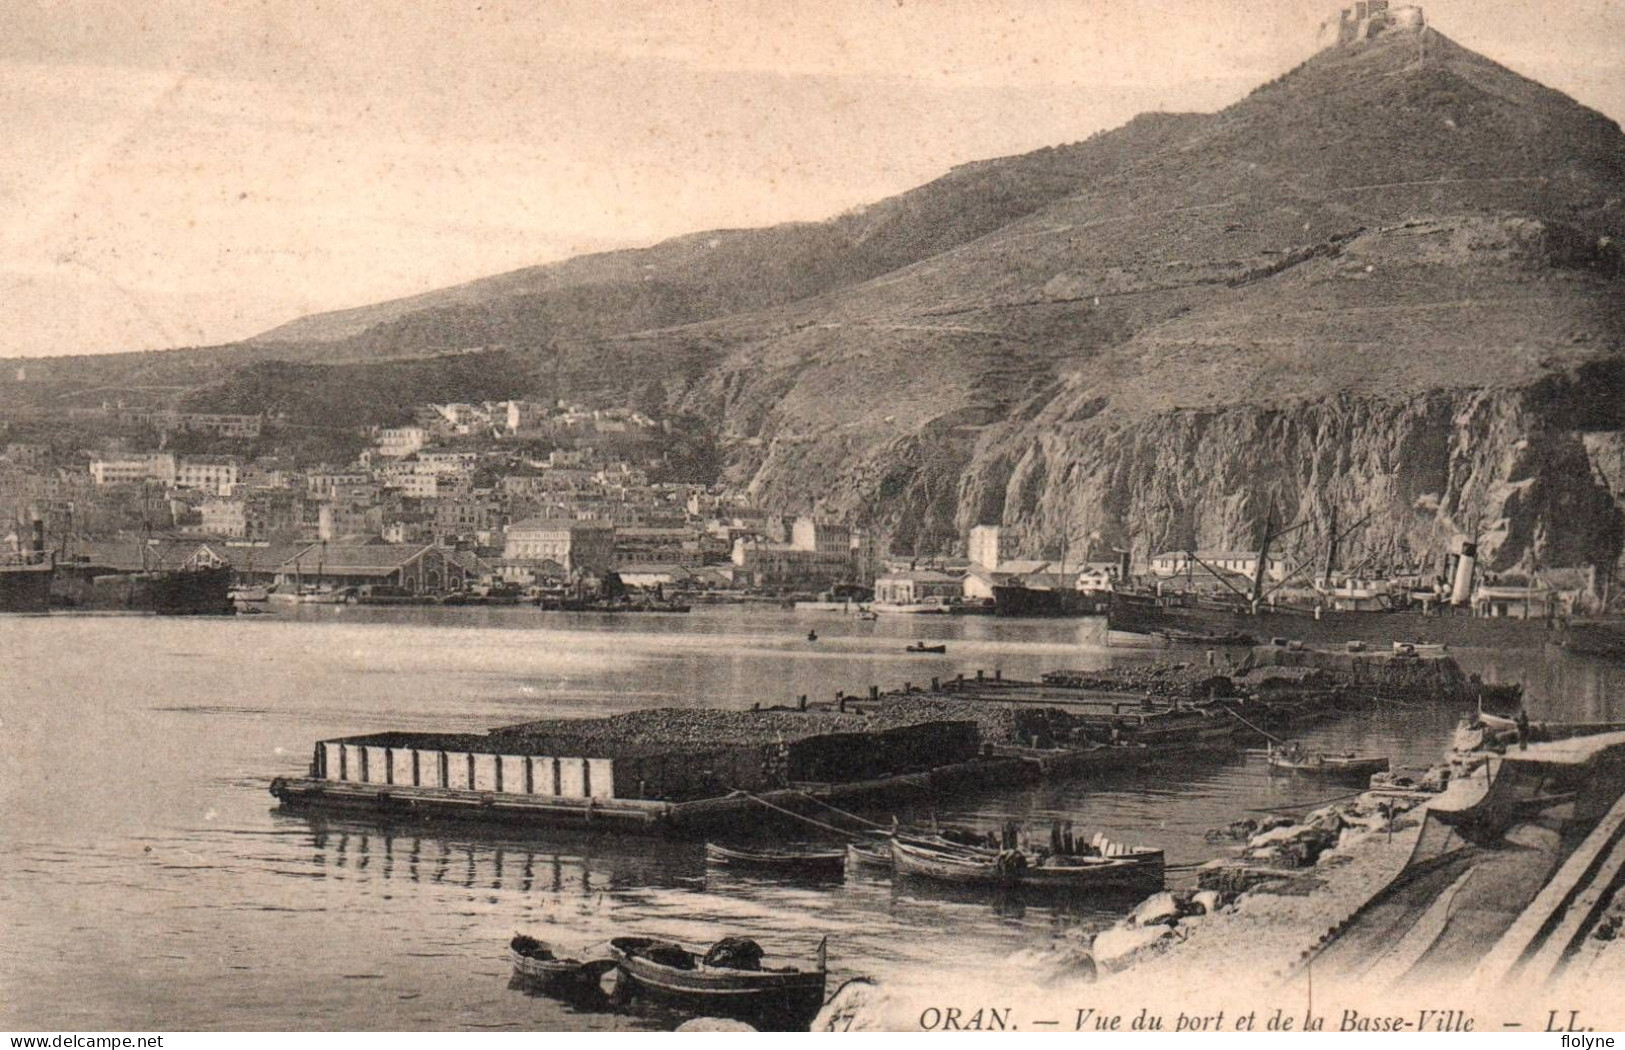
{"points": [[1366, 19]]}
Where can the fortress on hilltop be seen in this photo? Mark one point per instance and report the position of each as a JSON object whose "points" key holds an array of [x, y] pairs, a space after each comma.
{"points": [[1369, 18]]}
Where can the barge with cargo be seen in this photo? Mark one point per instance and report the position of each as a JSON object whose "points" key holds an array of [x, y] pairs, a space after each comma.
{"points": [[658, 772], [689, 771]]}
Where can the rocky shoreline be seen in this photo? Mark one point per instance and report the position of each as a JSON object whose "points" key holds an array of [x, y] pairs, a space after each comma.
{"points": [[1238, 938]]}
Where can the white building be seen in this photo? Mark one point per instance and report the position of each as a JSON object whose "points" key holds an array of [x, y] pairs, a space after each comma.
{"points": [[577, 546], [215, 476], [131, 469], [826, 537], [1244, 563], [395, 442], [989, 546]]}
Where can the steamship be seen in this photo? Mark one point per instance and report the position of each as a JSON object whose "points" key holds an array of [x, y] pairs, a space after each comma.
{"points": [[1442, 615], [25, 577]]}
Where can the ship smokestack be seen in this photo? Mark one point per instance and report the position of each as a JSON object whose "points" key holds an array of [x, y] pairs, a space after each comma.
{"points": [[1462, 593]]}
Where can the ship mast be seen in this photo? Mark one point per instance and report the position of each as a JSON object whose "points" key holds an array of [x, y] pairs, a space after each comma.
{"points": [[1263, 555], [1331, 547]]}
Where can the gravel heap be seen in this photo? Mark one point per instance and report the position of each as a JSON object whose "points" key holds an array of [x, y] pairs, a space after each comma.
{"points": [[1183, 680], [673, 729]]}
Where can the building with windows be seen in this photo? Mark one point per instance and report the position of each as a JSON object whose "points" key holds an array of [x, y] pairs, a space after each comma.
{"points": [[777, 566], [217, 423], [413, 568], [135, 468], [827, 537], [395, 442], [1243, 563], [578, 546], [217, 476], [917, 587]]}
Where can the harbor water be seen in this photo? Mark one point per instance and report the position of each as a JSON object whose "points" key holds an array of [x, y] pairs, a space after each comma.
{"points": [[148, 882]]}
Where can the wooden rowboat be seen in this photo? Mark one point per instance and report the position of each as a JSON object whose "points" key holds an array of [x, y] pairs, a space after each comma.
{"points": [[534, 962], [1090, 873], [921, 647], [868, 856], [771, 998], [945, 862], [825, 863], [1346, 766], [1010, 868]]}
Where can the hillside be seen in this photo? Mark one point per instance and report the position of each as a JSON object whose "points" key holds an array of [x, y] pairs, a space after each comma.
{"points": [[1365, 282], [722, 272], [1388, 281]]}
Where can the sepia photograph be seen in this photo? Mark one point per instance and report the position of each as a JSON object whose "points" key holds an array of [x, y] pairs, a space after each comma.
{"points": [[584, 516]]}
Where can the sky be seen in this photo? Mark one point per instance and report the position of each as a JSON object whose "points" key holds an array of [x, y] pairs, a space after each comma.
{"points": [[204, 170]]}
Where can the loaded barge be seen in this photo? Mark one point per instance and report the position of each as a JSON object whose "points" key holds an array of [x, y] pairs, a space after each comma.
{"points": [[656, 772], [687, 771]]}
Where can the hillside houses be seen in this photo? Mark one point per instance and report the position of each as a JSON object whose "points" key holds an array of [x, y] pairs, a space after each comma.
{"points": [[532, 493]]}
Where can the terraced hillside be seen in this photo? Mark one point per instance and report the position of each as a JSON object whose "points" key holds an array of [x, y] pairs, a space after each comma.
{"points": [[1387, 282]]}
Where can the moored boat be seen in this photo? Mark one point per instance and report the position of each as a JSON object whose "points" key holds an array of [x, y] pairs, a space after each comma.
{"points": [[727, 981], [1324, 765], [25, 586], [947, 862], [921, 647], [1086, 873], [868, 856], [536, 964]]}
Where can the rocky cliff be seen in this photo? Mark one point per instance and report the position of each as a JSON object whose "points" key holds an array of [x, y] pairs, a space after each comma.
{"points": [[1388, 282]]}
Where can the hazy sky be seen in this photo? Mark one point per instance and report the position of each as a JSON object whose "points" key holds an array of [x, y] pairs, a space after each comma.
{"points": [[205, 170]]}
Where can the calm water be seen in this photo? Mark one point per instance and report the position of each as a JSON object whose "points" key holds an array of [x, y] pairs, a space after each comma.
{"points": [[147, 883]]}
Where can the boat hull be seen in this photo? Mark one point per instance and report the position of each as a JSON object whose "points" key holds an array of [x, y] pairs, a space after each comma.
{"points": [[1038, 601], [1354, 770], [25, 588], [874, 858], [963, 866], [771, 999], [1209, 622]]}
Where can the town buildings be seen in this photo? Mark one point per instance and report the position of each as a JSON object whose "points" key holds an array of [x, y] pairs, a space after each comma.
{"points": [[530, 491], [407, 568], [574, 546], [917, 587]]}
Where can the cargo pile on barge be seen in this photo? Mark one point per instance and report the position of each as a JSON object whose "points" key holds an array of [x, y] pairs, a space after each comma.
{"points": [[660, 770], [686, 770]]}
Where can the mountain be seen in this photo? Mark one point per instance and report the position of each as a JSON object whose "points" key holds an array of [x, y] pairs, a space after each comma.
{"points": [[1388, 282], [723, 272]]}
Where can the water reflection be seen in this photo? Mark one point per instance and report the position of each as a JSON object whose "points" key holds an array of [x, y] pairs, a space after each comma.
{"points": [[163, 847], [565, 864]]}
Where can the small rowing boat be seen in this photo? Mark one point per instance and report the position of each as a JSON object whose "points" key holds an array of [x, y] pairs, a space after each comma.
{"points": [[868, 856], [921, 647], [807, 863], [946, 862], [1089, 873], [1136, 866], [535, 963], [727, 981], [1346, 765]]}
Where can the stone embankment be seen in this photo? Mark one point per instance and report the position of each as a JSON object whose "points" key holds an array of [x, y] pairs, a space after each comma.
{"points": [[1236, 938]]}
